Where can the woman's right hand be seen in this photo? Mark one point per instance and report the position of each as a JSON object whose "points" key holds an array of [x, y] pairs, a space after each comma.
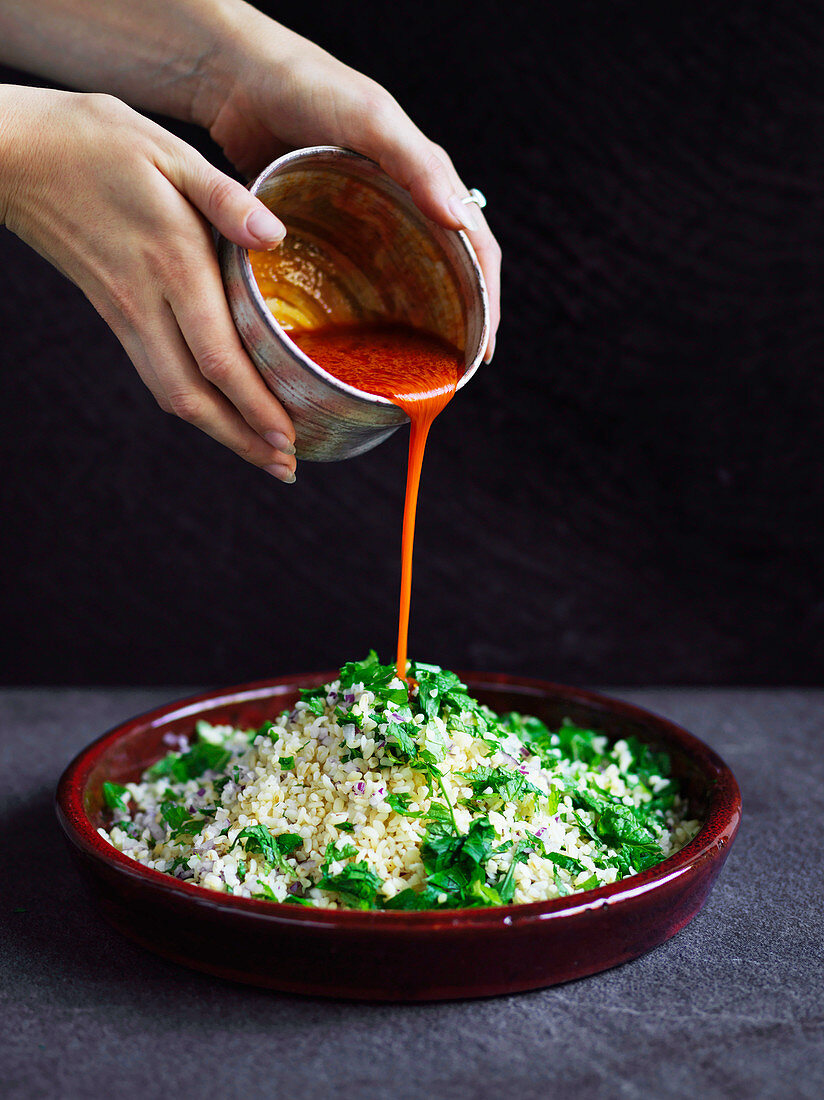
{"points": [[123, 208]]}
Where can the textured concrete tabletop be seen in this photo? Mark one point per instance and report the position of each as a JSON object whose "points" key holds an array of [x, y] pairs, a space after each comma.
{"points": [[731, 1007]]}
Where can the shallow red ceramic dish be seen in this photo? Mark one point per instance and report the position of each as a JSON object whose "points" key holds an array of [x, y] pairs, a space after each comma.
{"points": [[398, 956]]}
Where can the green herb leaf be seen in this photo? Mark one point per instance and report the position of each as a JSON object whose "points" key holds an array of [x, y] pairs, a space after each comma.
{"points": [[315, 704], [268, 729], [520, 854], [178, 819], [286, 763], [621, 823], [357, 882], [400, 804], [369, 672], [162, 767], [589, 884], [266, 893], [274, 849], [533, 733], [510, 785], [569, 863], [578, 743], [646, 762], [335, 854], [113, 796], [200, 758]]}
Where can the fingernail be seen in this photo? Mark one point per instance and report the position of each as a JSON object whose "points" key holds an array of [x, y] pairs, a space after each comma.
{"points": [[263, 224], [462, 212], [490, 350], [280, 442], [282, 473]]}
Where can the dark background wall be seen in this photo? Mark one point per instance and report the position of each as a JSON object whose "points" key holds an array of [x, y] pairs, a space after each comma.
{"points": [[630, 493]]}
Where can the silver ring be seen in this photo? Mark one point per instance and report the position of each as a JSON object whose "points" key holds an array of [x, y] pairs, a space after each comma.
{"points": [[477, 197]]}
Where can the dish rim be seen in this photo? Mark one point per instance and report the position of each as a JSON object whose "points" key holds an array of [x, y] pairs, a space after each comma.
{"points": [[720, 826]]}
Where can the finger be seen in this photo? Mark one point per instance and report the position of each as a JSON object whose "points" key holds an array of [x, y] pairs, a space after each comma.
{"points": [[488, 252], [183, 391], [426, 171], [207, 327], [225, 203]]}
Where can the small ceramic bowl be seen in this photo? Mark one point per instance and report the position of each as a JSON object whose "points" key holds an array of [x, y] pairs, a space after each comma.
{"points": [[398, 956], [357, 249]]}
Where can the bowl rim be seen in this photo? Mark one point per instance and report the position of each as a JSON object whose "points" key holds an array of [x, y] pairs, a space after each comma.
{"points": [[717, 832], [331, 155]]}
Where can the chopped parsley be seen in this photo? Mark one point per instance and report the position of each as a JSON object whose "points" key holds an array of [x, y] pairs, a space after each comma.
{"points": [[400, 804], [274, 849], [511, 786], [113, 796], [357, 882]]}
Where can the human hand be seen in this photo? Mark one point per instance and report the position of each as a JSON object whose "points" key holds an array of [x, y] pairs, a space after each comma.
{"points": [[122, 207], [265, 90]]}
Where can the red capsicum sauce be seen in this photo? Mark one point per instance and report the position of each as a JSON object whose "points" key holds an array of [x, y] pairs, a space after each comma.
{"points": [[417, 371]]}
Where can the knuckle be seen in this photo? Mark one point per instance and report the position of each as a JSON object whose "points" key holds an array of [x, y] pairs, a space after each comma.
{"points": [[122, 302], [220, 192], [429, 165], [246, 449], [216, 365], [439, 155], [186, 405], [100, 104], [380, 110]]}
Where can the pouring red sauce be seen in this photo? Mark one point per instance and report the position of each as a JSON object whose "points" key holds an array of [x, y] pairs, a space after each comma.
{"points": [[417, 371]]}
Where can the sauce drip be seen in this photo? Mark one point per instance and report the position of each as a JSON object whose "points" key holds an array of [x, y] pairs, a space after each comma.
{"points": [[417, 371]]}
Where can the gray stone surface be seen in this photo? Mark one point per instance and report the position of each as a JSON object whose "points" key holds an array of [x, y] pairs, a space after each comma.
{"points": [[729, 1008]]}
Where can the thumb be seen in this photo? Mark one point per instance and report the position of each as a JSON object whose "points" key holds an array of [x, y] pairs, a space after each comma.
{"points": [[224, 202]]}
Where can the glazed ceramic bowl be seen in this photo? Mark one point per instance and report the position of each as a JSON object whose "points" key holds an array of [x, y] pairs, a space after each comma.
{"points": [[357, 248], [398, 956]]}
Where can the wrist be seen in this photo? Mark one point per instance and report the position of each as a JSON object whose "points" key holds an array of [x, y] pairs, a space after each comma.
{"points": [[17, 103], [237, 33]]}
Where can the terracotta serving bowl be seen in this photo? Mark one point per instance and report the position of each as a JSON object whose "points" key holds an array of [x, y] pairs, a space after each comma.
{"points": [[398, 956]]}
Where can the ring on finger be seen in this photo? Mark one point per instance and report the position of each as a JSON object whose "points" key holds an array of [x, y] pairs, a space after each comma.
{"points": [[475, 196]]}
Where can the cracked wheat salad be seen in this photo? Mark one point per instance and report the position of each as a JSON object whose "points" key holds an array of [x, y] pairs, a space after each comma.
{"points": [[370, 795]]}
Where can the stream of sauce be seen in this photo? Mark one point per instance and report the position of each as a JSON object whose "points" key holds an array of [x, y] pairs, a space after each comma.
{"points": [[416, 371]]}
